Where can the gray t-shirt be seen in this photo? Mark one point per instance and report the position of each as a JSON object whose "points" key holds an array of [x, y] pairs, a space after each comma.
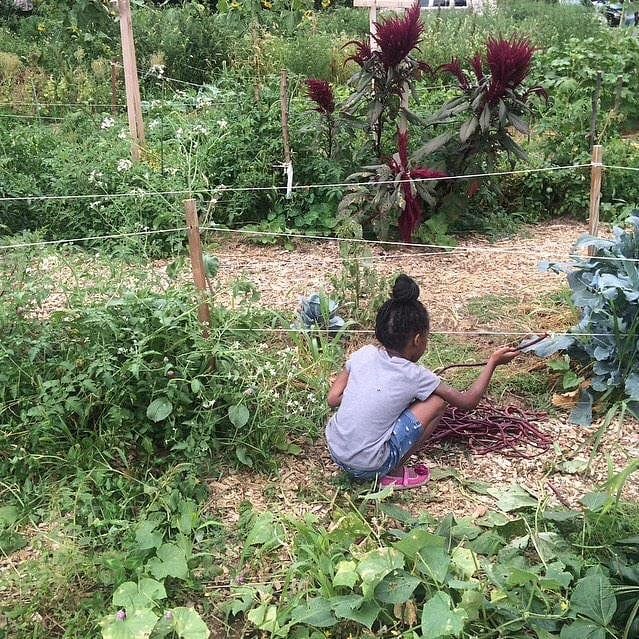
{"points": [[380, 387]]}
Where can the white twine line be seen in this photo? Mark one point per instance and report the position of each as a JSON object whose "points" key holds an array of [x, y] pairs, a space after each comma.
{"points": [[619, 168], [29, 117], [92, 237], [237, 189], [448, 249], [371, 331], [45, 104]]}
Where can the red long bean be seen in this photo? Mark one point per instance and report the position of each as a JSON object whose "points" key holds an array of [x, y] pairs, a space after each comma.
{"points": [[490, 428]]}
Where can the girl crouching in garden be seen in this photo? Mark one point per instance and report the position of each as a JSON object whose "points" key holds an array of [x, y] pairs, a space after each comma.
{"points": [[387, 404]]}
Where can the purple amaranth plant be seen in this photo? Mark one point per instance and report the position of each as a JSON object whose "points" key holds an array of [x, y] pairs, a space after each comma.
{"points": [[494, 100], [509, 62], [412, 214], [362, 54], [398, 186], [399, 37], [321, 93], [388, 71]]}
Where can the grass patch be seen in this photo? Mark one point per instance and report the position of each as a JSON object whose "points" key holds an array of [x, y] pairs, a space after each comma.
{"points": [[531, 388], [490, 307]]}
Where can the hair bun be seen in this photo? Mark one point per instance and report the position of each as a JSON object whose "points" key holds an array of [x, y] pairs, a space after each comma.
{"points": [[405, 290]]}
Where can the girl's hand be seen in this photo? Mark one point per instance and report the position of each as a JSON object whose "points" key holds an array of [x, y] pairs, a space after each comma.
{"points": [[503, 355]]}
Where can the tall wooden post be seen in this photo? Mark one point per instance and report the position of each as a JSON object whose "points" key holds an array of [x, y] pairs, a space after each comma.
{"points": [[596, 97], [197, 263], [133, 102], [372, 24], [595, 192], [286, 139]]}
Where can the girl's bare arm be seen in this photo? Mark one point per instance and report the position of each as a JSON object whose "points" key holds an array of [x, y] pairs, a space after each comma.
{"points": [[470, 398], [337, 389]]}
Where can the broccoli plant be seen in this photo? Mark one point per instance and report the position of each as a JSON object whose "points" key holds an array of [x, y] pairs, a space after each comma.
{"points": [[605, 289]]}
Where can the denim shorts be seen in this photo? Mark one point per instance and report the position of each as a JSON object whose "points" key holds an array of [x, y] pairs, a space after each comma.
{"points": [[406, 433]]}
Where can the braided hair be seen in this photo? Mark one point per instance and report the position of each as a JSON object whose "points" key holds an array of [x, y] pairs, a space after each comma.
{"points": [[402, 316]]}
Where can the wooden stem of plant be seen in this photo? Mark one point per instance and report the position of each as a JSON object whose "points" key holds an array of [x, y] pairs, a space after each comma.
{"points": [[595, 192], [197, 263], [133, 101], [596, 96], [114, 87]]}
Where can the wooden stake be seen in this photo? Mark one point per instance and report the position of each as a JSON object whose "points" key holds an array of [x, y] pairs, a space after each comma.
{"points": [[133, 102], [286, 140], [197, 263], [595, 109], [284, 108], [595, 192], [114, 87]]}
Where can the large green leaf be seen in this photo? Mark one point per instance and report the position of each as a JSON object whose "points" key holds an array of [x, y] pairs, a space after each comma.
{"points": [[514, 498], [145, 594], [187, 624], [159, 409], [397, 588], [316, 612], [137, 625], [239, 415], [582, 629], [264, 530], [439, 619], [465, 562], [354, 608], [346, 574], [428, 551], [594, 597], [264, 617], [375, 565], [170, 562]]}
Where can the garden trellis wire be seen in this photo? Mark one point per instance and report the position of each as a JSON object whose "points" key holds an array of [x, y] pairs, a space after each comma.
{"points": [[297, 187]]}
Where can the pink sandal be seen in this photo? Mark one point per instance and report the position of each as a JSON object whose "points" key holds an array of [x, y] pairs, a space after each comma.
{"points": [[421, 476]]}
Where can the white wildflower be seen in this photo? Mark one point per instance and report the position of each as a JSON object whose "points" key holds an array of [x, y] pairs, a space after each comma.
{"points": [[222, 124], [123, 135], [154, 124], [199, 128], [179, 133], [107, 123], [124, 165], [94, 177], [157, 70]]}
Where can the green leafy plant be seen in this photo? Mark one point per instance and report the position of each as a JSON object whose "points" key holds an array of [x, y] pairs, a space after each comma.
{"points": [[605, 290], [508, 572]]}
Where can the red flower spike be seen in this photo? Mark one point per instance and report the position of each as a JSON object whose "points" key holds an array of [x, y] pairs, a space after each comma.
{"points": [[473, 189], [509, 62], [455, 69], [397, 37], [321, 93], [362, 54], [402, 148], [478, 67], [412, 215]]}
